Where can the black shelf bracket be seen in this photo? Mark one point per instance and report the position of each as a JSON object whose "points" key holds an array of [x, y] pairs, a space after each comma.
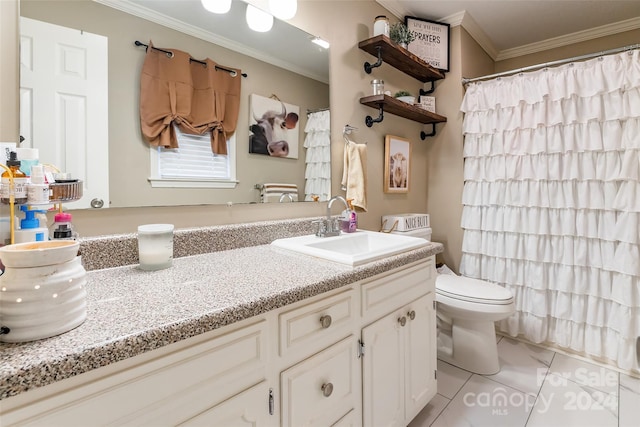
{"points": [[369, 121], [428, 91], [368, 67], [424, 135]]}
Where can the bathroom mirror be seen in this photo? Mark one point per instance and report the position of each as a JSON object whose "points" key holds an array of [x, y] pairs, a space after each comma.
{"points": [[287, 66]]}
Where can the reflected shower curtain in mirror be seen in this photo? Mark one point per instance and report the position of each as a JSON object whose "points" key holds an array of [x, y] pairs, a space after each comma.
{"points": [[318, 158], [552, 202]]}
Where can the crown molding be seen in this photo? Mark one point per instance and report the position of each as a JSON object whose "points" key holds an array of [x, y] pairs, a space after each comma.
{"points": [[191, 30], [395, 8], [569, 39], [478, 34], [462, 18], [467, 22]]}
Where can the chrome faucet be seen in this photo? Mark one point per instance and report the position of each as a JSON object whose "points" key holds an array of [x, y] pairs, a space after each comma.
{"points": [[284, 196], [328, 226]]}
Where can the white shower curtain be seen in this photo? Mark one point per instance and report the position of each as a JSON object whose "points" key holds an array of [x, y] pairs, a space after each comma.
{"points": [[318, 158], [552, 202]]}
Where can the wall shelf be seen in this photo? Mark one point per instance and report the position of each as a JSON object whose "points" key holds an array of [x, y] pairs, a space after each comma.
{"points": [[398, 57], [402, 109]]}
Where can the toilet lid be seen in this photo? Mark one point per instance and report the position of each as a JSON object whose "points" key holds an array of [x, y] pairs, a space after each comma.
{"points": [[467, 289]]}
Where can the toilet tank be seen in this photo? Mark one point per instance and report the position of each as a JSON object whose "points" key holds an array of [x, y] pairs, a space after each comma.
{"points": [[424, 233]]}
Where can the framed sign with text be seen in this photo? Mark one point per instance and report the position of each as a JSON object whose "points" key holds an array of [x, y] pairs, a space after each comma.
{"points": [[431, 43]]}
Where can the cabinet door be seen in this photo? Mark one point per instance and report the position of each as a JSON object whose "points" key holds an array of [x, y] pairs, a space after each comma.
{"points": [[249, 408], [382, 372], [322, 389], [420, 355]]}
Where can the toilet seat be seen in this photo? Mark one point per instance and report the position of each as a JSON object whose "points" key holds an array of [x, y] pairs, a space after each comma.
{"points": [[472, 290]]}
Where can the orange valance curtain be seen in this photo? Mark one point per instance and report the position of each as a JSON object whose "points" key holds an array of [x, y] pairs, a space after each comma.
{"points": [[194, 95]]}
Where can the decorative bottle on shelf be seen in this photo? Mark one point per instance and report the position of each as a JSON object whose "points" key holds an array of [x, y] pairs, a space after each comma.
{"points": [[38, 191], [62, 229], [381, 26], [20, 181]]}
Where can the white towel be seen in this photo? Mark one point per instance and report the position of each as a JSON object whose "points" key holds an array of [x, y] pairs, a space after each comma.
{"points": [[271, 192], [354, 175]]}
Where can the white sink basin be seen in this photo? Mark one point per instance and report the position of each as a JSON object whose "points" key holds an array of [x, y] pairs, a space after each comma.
{"points": [[352, 249]]}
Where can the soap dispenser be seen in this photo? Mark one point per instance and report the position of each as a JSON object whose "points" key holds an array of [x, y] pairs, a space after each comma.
{"points": [[30, 229], [353, 217], [348, 218]]}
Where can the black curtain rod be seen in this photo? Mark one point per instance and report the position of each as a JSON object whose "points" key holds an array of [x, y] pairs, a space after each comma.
{"points": [[170, 55]]}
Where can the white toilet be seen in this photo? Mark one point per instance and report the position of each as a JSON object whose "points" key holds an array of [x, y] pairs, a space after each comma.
{"points": [[466, 311]]}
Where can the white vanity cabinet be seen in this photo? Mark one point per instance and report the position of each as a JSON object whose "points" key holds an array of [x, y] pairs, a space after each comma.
{"points": [[322, 389], [247, 408], [399, 362], [167, 386], [301, 364]]}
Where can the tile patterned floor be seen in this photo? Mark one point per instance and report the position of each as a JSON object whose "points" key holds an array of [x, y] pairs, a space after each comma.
{"points": [[534, 388]]}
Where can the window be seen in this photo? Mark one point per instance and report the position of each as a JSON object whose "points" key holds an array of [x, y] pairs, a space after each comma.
{"points": [[193, 165]]}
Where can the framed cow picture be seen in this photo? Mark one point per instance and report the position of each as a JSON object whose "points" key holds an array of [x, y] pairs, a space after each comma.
{"points": [[273, 127], [397, 164]]}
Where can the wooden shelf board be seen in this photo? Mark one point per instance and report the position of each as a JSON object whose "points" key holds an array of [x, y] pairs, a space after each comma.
{"points": [[400, 58], [393, 106]]}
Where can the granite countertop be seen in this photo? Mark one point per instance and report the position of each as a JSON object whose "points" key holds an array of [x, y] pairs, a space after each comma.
{"points": [[130, 311]]}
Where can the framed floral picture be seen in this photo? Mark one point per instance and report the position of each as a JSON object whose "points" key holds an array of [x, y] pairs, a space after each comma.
{"points": [[397, 164]]}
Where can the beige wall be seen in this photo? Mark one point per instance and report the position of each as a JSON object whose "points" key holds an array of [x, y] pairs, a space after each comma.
{"points": [[436, 180], [591, 46]]}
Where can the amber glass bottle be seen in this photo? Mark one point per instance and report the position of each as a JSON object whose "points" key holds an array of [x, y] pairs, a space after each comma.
{"points": [[20, 181]]}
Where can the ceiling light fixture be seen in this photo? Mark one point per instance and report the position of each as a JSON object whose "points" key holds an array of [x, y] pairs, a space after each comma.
{"points": [[322, 43], [217, 6], [283, 9], [258, 20]]}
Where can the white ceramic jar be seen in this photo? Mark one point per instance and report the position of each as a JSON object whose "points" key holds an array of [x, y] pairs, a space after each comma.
{"points": [[40, 302]]}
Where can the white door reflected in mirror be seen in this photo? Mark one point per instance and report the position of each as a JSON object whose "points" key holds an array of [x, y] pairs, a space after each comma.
{"points": [[64, 103]]}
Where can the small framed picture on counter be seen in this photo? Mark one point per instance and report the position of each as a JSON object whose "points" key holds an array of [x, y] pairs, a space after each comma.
{"points": [[431, 43]]}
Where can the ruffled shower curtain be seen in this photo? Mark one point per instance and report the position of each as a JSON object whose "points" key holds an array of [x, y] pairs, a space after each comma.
{"points": [[318, 159], [552, 202]]}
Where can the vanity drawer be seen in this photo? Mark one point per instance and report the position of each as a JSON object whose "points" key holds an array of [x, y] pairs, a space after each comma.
{"points": [[318, 324], [390, 291], [323, 389]]}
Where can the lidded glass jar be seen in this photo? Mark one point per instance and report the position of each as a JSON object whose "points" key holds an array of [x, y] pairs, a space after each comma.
{"points": [[381, 26], [377, 86]]}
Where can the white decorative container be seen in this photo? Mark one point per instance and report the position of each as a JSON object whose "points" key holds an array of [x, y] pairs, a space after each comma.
{"points": [[41, 301], [408, 99], [405, 222]]}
